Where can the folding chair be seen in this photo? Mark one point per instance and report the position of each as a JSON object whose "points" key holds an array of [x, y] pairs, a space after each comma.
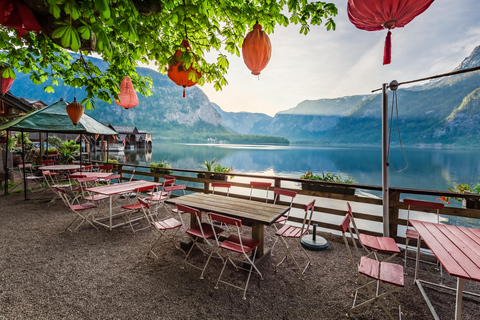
{"points": [[387, 277], [167, 181], [224, 185], [371, 244], [199, 234], [295, 234], [105, 168], [235, 245], [47, 162], [171, 189], [31, 177], [48, 177], [82, 211], [283, 219], [130, 209], [167, 229], [412, 233], [260, 185]]}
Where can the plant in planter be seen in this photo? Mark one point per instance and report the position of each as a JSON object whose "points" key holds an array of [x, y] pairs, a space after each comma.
{"points": [[221, 169], [113, 162], [67, 150], [327, 177], [208, 165], [160, 167], [464, 188]]}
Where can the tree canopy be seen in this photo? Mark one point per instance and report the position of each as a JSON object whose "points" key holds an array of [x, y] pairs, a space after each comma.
{"points": [[126, 33]]}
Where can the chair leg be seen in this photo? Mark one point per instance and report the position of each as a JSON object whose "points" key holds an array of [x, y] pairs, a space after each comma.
{"points": [[406, 250]]}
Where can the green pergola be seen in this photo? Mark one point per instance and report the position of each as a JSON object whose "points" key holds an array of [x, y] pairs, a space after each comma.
{"points": [[53, 118]]}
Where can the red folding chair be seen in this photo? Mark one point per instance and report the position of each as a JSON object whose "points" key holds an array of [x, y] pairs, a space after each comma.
{"points": [[260, 185], [294, 235], [223, 185], [105, 168], [167, 228], [47, 162], [182, 188], [277, 192], [383, 245], [412, 233], [31, 178], [236, 248], [201, 234], [381, 280], [132, 208], [83, 211]]}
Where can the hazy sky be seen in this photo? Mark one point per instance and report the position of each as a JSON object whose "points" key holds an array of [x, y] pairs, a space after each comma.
{"points": [[348, 61]]}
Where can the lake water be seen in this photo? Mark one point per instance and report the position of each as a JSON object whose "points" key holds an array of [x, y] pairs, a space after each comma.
{"points": [[428, 169]]}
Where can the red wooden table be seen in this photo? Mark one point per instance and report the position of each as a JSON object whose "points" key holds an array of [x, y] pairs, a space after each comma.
{"points": [[112, 190], [457, 249]]}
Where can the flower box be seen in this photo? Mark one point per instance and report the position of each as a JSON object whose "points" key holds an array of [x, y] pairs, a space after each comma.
{"points": [[471, 203], [219, 176], [327, 189]]}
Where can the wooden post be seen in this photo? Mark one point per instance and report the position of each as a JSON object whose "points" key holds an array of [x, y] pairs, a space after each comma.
{"points": [[394, 197]]}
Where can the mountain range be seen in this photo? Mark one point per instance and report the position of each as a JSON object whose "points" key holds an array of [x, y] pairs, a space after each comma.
{"points": [[444, 111]]}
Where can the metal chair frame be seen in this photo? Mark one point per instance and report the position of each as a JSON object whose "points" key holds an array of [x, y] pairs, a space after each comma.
{"points": [[237, 244], [77, 209], [226, 185], [260, 185], [295, 234]]}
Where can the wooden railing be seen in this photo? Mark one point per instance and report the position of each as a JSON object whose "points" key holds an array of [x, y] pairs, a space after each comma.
{"points": [[241, 189]]}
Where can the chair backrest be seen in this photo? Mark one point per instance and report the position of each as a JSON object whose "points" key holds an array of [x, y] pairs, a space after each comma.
{"points": [[226, 185], [105, 168], [424, 205], [48, 177], [28, 169], [277, 192], [168, 177], [260, 185], [169, 182], [307, 219], [143, 189], [189, 210], [344, 227], [144, 203], [350, 213], [225, 220], [175, 188], [112, 177], [47, 162]]}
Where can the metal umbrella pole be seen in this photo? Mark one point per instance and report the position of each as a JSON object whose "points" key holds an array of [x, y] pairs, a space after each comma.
{"points": [[386, 217]]}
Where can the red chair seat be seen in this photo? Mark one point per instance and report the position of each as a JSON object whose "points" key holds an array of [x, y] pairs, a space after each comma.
{"points": [[207, 231], [412, 234], [233, 243], [136, 206], [96, 197], [380, 244], [167, 224], [391, 273], [281, 219], [288, 231], [84, 206]]}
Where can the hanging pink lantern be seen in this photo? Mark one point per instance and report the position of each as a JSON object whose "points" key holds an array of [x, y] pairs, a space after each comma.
{"points": [[128, 96]]}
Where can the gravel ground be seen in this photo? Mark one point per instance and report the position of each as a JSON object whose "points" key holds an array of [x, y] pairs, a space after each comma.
{"points": [[48, 274]]}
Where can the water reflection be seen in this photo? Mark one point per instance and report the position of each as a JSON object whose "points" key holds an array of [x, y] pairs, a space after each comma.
{"points": [[429, 169]]}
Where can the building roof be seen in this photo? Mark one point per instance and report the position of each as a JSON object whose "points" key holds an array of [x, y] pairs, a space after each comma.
{"points": [[126, 129]]}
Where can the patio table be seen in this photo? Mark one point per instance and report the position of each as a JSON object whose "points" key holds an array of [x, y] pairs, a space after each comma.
{"points": [[90, 174], [252, 213], [61, 167], [117, 189], [457, 249]]}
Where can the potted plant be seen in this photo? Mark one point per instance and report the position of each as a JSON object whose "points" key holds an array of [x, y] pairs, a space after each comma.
{"points": [[161, 167], [466, 202], [208, 165], [327, 177], [113, 162], [219, 169]]}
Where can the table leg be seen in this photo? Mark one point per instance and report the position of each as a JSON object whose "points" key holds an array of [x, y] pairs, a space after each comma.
{"points": [[110, 198], [258, 234], [417, 262], [458, 302]]}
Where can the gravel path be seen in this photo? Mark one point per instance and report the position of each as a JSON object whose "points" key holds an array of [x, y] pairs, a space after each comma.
{"points": [[48, 274]]}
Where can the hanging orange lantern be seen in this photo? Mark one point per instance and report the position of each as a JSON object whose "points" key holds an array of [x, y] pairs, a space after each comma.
{"points": [[128, 96], [256, 49], [75, 111], [177, 71]]}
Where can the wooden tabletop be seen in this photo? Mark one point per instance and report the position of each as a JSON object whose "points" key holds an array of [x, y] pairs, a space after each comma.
{"points": [[247, 210], [457, 248], [120, 188], [61, 167]]}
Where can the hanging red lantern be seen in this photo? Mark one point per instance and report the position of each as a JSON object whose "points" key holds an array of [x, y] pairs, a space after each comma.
{"points": [[17, 15], [128, 96], [177, 71], [373, 15], [5, 83], [75, 111], [256, 49]]}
